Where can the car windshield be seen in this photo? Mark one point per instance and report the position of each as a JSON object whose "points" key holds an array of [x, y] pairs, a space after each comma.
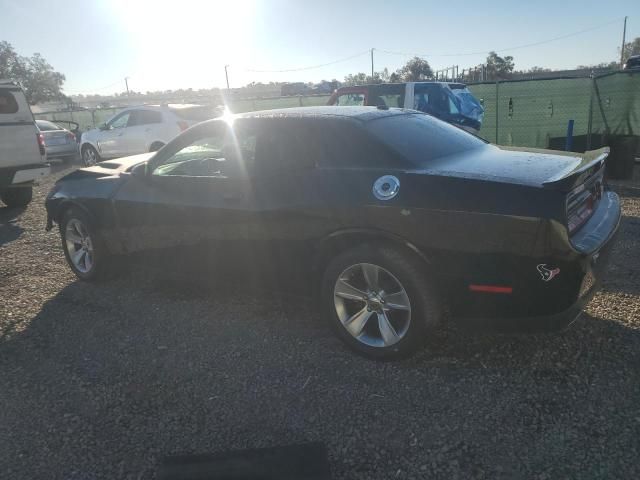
{"points": [[46, 126], [422, 138]]}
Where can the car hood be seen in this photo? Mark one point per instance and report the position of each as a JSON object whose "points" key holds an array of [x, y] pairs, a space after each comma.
{"points": [[119, 165], [523, 166], [108, 168]]}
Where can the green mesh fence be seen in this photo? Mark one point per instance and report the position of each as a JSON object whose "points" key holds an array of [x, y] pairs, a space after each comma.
{"points": [[616, 105], [536, 113], [248, 105]]}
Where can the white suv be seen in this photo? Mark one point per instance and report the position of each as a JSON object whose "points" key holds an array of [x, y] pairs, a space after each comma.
{"points": [[22, 150], [139, 130]]}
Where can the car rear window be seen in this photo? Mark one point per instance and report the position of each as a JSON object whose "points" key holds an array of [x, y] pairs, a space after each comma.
{"points": [[350, 99], [422, 138], [45, 126], [196, 114], [8, 103]]}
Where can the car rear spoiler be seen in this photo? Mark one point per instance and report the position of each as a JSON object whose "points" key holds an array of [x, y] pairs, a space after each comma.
{"points": [[592, 161]]}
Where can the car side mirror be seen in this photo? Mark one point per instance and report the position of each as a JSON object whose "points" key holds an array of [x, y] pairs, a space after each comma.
{"points": [[140, 171], [104, 127]]}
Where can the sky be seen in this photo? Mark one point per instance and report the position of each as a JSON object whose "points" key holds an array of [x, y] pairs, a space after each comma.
{"points": [[162, 45]]}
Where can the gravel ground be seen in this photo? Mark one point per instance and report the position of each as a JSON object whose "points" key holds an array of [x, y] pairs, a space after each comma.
{"points": [[101, 381]]}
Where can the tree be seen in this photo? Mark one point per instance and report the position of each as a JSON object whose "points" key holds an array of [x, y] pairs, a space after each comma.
{"points": [[499, 68], [631, 48], [414, 70], [382, 76], [39, 80]]}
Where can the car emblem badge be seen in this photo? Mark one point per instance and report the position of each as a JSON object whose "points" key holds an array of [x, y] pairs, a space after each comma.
{"points": [[386, 187], [547, 273]]}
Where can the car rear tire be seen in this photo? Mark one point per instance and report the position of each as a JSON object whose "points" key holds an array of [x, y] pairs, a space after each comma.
{"points": [[90, 156], [156, 146], [17, 196], [380, 301], [83, 248]]}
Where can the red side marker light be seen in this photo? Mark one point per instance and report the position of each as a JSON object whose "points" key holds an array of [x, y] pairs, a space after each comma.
{"points": [[490, 288]]}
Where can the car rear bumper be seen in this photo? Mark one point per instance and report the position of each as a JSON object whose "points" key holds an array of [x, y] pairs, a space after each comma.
{"points": [[564, 297], [64, 150], [22, 175]]}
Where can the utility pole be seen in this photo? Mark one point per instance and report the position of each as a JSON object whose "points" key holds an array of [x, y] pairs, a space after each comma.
{"points": [[372, 64], [126, 83], [226, 74], [624, 34]]}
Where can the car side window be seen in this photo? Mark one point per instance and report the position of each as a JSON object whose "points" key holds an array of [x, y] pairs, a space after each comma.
{"points": [[283, 149], [144, 117], [387, 95], [221, 152], [120, 121], [8, 104], [347, 146], [430, 99], [350, 99]]}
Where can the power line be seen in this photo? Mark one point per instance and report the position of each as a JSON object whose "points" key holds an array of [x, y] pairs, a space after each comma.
{"points": [[366, 52], [500, 49]]}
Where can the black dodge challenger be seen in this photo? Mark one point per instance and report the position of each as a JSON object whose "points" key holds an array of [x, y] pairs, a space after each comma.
{"points": [[390, 215]]}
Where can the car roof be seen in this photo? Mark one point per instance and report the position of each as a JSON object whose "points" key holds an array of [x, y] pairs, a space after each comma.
{"points": [[172, 106], [363, 114]]}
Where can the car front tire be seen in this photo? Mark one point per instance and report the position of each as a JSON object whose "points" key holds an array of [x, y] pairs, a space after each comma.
{"points": [[90, 156], [380, 301], [83, 248], [17, 196]]}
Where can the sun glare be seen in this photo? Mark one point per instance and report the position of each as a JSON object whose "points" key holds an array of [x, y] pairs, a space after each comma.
{"points": [[185, 44]]}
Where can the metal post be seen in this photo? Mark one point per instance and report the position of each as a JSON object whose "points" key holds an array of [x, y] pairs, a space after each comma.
{"points": [[93, 118], [126, 83], [372, 64], [590, 119], [497, 107], [226, 74], [624, 34], [568, 144]]}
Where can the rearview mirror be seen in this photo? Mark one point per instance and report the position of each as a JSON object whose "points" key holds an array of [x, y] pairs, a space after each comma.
{"points": [[104, 126]]}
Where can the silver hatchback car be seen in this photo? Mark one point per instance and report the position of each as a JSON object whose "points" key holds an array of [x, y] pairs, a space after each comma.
{"points": [[59, 142]]}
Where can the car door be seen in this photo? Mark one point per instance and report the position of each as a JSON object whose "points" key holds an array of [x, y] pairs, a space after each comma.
{"points": [[195, 193], [110, 140], [140, 133]]}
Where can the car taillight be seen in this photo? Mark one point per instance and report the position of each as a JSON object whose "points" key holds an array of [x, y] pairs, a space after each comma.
{"points": [[182, 125], [582, 201], [71, 137], [40, 138]]}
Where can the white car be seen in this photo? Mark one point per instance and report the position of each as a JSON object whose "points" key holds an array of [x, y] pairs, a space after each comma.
{"points": [[139, 130], [22, 149]]}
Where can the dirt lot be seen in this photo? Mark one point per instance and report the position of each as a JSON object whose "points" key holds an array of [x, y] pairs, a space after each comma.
{"points": [[101, 381]]}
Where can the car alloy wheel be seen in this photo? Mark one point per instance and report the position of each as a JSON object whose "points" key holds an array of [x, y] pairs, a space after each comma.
{"points": [[79, 246], [89, 156], [372, 305]]}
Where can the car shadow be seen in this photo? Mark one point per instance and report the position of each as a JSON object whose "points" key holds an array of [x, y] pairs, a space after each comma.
{"points": [[9, 229]]}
